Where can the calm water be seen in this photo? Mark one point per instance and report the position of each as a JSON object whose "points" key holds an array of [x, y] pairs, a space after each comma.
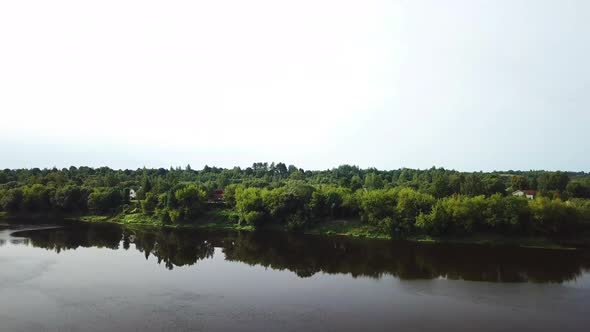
{"points": [[81, 277]]}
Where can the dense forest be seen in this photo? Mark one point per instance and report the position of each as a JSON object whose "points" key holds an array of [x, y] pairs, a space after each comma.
{"points": [[398, 202]]}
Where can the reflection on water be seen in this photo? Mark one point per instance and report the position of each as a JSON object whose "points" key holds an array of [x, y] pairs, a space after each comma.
{"points": [[308, 255]]}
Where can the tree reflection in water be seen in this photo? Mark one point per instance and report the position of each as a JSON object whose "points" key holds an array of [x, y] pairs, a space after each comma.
{"points": [[308, 255]]}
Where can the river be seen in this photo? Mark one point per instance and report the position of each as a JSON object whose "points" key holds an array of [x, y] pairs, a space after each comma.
{"points": [[103, 277]]}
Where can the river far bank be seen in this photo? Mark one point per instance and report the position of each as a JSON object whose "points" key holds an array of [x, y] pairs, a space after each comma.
{"points": [[220, 219]]}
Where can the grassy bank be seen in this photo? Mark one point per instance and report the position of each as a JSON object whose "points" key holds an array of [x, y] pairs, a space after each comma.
{"points": [[214, 219], [221, 219], [352, 228], [355, 228]]}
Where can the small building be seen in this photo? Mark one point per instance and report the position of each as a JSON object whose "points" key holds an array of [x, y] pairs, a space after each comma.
{"points": [[530, 194], [132, 194], [216, 196]]}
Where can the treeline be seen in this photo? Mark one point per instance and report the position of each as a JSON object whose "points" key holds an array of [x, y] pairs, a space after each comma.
{"points": [[397, 202], [404, 211]]}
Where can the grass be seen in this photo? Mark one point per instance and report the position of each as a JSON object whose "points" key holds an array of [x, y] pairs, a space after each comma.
{"points": [[355, 228], [91, 218], [498, 240], [216, 219], [352, 228]]}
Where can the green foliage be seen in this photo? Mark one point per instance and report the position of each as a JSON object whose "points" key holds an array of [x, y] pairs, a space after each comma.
{"points": [[36, 198], [465, 215], [579, 188], [519, 182], [11, 200], [552, 216], [552, 183], [175, 216], [191, 200], [376, 205], [254, 218], [296, 221], [507, 214], [146, 185], [440, 186], [472, 185], [70, 198], [249, 200], [149, 204], [410, 204], [230, 194], [285, 201], [373, 181], [356, 183], [104, 200], [400, 202], [327, 202]]}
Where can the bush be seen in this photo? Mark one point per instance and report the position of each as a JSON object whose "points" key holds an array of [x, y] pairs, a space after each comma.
{"points": [[36, 198], [457, 214], [70, 198], [376, 205], [254, 218], [191, 201], [11, 200], [553, 216], [248, 200], [176, 216], [410, 204], [148, 205], [331, 202], [104, 199], [163, 216], [507, 214]]}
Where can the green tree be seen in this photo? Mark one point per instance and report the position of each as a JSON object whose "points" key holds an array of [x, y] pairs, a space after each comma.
{"points": [[11, 200], [103, 200], [36, 198], [149, 204], [249, 200], [356, 183], [410, 204], [519, 182], [472, 185], [70, 198], [373, 181], [440, 186], [191, 200]]}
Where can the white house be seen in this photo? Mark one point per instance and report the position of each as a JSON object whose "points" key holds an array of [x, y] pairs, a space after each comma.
{"points": [[132, 194], [530, 194]]}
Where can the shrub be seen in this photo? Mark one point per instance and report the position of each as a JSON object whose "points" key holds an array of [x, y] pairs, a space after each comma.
{"points": [[148, 205]]}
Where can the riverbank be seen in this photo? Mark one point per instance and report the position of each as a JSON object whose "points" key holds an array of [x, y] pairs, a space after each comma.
{"points": [[214, 219], [354, 228], [220, 219]]}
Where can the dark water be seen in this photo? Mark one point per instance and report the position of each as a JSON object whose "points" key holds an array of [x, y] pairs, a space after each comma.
{"points": [[82, 277]]}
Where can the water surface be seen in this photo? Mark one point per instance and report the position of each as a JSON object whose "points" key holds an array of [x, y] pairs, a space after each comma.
{"points": [[93, 277]]}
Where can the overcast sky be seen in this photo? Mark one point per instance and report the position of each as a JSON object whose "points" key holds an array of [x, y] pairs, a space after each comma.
{"points": [[469, 85]]}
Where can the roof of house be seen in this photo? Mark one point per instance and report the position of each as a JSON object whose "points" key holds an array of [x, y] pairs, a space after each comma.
{"points": [[527, 192]]}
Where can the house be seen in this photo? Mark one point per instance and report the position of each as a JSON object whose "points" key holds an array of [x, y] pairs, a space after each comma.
{"points": [[530, 194], [217, 196], [132, 194]]}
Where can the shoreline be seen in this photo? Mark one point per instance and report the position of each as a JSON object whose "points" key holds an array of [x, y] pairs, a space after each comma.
{"points": [[342, 228]]}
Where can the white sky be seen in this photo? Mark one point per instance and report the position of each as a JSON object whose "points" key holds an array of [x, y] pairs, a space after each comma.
{"points": [[470, 85]]}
